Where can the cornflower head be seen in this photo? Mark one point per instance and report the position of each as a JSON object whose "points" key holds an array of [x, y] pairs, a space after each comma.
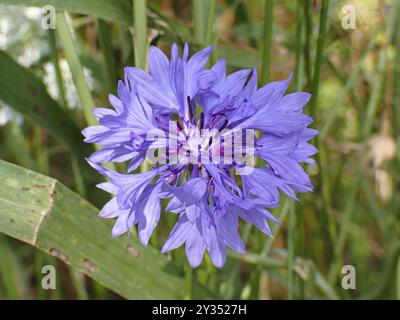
{"points": [[202, 132]]}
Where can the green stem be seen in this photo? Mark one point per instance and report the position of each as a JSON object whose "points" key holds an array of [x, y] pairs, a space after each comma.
{"points": [[140, 42], [73, 60], [307, 44], [326, 216], [290, 260], [199, 12], [268, 29], [210, 23], [78, 176], [140, 38], [299, 35], [54, 54], [188, 281], [78, 75], [106, 47], [344, 226], [396, 82], [318, 59], [78, 279], [398, 279]]}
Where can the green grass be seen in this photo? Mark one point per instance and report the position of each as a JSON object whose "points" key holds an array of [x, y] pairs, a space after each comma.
{"points": [[352, 217]]}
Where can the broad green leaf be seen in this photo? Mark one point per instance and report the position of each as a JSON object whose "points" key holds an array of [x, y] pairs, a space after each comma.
{"points": [[24, 92], [44, 213]]}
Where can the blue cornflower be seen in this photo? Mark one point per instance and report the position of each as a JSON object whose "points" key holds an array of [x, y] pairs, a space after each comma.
{"points": [[202, 131]]}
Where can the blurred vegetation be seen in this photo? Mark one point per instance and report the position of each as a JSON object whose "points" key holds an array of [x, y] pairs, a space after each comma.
{"points": [[352, 217]]}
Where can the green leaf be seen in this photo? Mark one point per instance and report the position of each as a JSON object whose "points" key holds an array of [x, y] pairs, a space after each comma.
{"points": [[120, 11], [140, 34], [116, 10], [71, 54], [24, 92], [44, 213]]}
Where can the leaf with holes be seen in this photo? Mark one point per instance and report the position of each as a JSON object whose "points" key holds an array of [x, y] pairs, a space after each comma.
{"points": [[44, 213]]}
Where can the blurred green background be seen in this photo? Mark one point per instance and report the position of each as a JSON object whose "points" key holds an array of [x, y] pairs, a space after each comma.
{"points": [[353, 216]]}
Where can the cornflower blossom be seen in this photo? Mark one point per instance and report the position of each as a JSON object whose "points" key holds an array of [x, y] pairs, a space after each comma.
{"points": [[203, 132]]}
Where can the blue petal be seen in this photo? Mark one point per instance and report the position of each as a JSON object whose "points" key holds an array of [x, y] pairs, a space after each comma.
{"points": [[108, 187], [149, 208], [277, 123], [109, 138], [175, 206], [178, 235], [131, 185], [159, 69], [101, 112], [215, 246], [117, 154], [111, 210], [290, 171], [293, 102], [120, 226], [148, 88], [234, 83], [230, 234], [303, 153], [277, 145], [254, 217], [195, 247], [270, 93], [190, 192], [131, 192], [136, 161], [116, 103], [93, 131]]}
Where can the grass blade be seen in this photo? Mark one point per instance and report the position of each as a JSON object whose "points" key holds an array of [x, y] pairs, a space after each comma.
{"points": [[199, 13], [396, 82], [307, 40], [57, 70], [319, 56], [108, 55], [290, 259], [266, 55], [140, 37], [209, 32], [75, 65]]}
